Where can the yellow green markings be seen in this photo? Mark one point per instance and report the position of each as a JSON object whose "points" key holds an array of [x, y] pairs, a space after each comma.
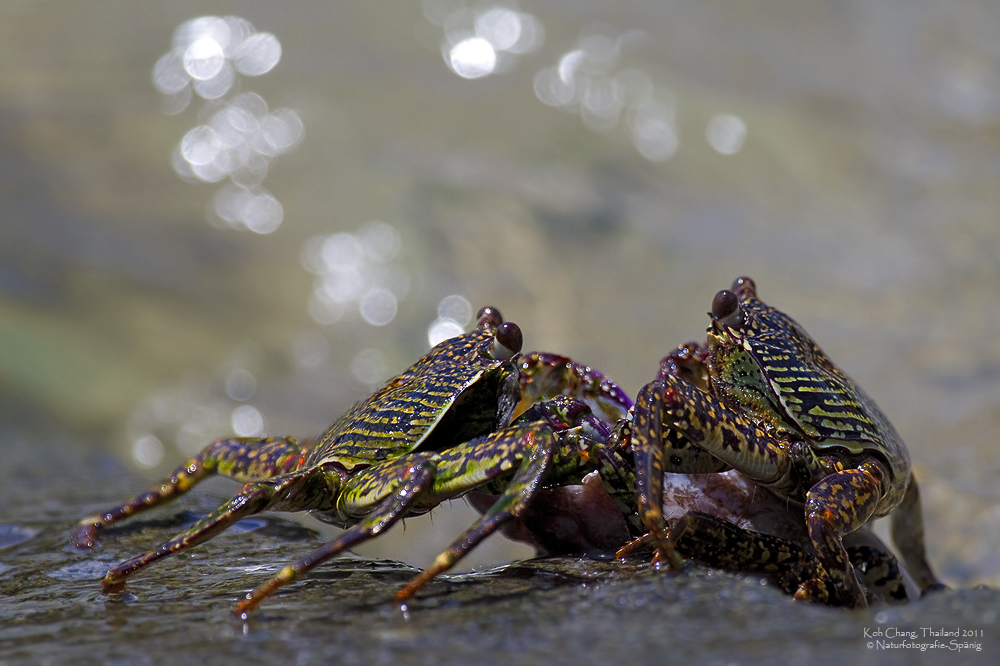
{"points": [[778, 410]]}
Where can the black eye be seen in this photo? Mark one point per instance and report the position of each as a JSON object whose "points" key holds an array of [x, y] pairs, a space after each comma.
{"points": [[724, 304], [489, 316], [507, 341], [726, 308], [744, 287]]}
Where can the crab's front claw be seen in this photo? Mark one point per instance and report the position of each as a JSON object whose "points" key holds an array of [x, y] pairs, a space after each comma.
{"points": [[545, 375]]}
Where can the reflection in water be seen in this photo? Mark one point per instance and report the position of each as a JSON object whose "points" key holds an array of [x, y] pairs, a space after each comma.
{"points": [[454, 314], [586, 80], [356, 271], [370, 367], [12, 535], [484, 40], [84, 570], [247, 421], [726, 133], [147, 451], [241, 136]]}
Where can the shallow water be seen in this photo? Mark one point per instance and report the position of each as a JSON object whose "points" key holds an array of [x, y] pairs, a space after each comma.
{"points": [[844, 156]]}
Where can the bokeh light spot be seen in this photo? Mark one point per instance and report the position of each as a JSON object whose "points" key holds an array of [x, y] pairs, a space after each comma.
{"points": [[240, 384], [473, 58], [378, 306], [726, 133], [147, 451], [204, 58], [455, 307], [369, 367], [442, 329], [247, 421]]}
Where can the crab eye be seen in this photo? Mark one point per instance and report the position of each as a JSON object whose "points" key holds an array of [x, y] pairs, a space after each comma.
{"points": [[744, 287], [507, 341], [726, 308], [489, 316]]}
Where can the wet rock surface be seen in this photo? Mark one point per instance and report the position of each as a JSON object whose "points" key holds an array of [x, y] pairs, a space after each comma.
{"points": [[569, 610]]}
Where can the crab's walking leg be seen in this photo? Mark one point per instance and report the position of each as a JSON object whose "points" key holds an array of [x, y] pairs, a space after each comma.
{"points": [[723, 545], [840, 503], [524, 452], [430, 478], [676, 429], [509, 505], [241, 458], [907, 525], [418, 476], [292, 492]]}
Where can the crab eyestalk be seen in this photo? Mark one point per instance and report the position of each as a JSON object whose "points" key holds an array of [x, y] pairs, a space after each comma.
{"points": [[726, 309], [488, 316], [507, 342]]}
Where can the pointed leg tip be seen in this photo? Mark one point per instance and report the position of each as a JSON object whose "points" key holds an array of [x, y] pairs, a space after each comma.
{"points": [[669, 557], [111, 586], [239, 613], [84, 536], [410, 591]]}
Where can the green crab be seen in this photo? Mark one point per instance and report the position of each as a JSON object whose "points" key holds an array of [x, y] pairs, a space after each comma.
{"points": [[719, 518], [440, 429], [762, 398]]}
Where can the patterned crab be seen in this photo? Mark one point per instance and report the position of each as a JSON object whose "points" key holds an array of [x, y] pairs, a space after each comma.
{"points": [[721, 519], [762, 398], [440, 429]]}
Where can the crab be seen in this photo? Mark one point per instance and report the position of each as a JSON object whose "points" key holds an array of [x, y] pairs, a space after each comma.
{"points": [[718, 519], [762, 398], [443, 427]]}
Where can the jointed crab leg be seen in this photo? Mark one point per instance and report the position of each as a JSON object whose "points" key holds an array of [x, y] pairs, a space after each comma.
{"points": [[420, 476], [292, 492], [240, 458], [434, 478], [732, 439], [511, 504], [907, 525]]}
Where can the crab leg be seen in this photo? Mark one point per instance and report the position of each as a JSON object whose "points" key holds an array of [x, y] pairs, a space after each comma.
{"points": [[240, 458], [719, 439], [292, 492], [419, 476], [841, 503], [538, 445], [907, 525], [721, 544], [511, 503], [432, 478]]}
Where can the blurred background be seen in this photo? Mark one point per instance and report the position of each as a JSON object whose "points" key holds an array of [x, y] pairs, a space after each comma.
{"points": [[221, 217]]}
